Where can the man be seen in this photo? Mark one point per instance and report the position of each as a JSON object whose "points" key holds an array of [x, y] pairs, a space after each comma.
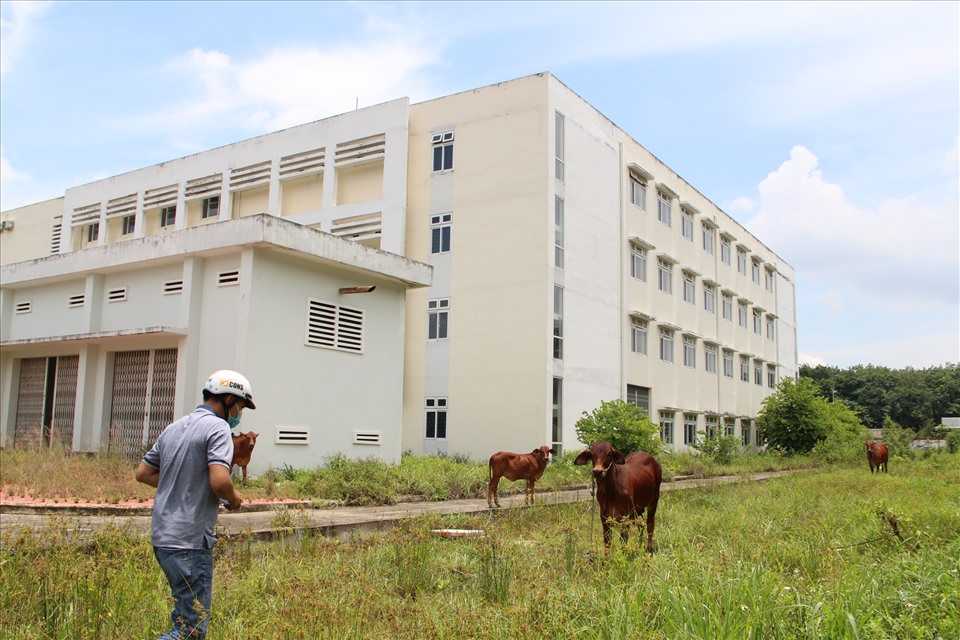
{"points": [[190, 467]]}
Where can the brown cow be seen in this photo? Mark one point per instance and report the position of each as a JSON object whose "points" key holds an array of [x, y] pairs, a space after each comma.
{"points": [[516, 466], [242, 448], [625, 487], [877, 456]]}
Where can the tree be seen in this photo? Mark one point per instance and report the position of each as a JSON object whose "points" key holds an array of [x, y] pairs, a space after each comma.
{"points": [[792, 419], [845, 434], [623, 424]]}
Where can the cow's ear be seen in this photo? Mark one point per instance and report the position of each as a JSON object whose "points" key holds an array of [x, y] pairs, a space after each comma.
{"points": [[553, 452], [618, 457], [584, 457]]}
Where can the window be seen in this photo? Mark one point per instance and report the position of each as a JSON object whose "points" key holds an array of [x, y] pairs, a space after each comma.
{"points": [[710, 357], [666, 426], [689, 428], [436, 418], [757, 322], [727, 363], [558, 233], [742, 260], [663, 208], [638, 191], [168, 216], [442, 151], [689, 352], [711, 427], [558, 322], [708, 239], [665, 276], [129, 224], [729, 426], [638, 336], [745, 431], [438, 312], [93, 232], [744, 369], [639, 396], [638, 263], [771, 376], [755, 272], [709, 298], [725, 250], [742, 314], [211, 208], [771, 331], [559, 141], [666, 344], [557, 425], [689, 287], [440, 226], [769, 280], [728, 307], [758, 373], [686, 224]]}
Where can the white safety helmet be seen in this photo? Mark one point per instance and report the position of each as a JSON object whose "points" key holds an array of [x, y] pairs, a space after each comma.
{"points": [[227, 381]]}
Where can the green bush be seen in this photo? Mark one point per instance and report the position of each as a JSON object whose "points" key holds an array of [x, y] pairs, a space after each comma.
{"points": [[721, 448], [953, 440], [623, 424]]}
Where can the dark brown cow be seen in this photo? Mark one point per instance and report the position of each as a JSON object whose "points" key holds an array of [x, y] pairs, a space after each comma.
{"points": [[625, 487], [243, 445], [877, 456], [516, 466]]}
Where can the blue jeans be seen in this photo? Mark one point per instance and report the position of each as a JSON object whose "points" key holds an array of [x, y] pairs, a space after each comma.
{"points": [[190, 574]]}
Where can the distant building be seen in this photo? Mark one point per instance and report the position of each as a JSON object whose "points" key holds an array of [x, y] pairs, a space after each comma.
{"points": [[569, 266]]}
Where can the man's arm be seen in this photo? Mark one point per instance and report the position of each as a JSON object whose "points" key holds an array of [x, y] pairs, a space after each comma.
{"points": [[222, 485], [148, 475]]}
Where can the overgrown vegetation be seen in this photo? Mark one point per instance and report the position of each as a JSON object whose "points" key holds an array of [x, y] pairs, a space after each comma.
{"points": [[623, 424], [831, 554]]}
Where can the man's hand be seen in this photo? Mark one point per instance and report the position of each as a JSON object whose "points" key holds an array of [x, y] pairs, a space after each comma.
{"points": [[233, 505]]}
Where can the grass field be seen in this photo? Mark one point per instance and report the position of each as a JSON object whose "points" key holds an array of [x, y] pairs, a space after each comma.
{"points": [[833, 553]]}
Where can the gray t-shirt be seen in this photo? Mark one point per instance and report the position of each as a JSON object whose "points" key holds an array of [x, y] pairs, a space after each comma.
{"points": [[185, 508]]}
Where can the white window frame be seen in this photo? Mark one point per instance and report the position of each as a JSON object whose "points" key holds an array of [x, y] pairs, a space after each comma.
{"points": [[710, 357], [771, 328], [709, 234], [664, 208], [686, 224], [168, 216], [666, 426], [757, 322], [557, 322], [441, 229], [560, 144], [741, 261], [665, 276], [211, 208], [434, 407], [744, 369], [690, 352], [689, 288], [689, 428], [93, 232], [755, 271], [129, 225], [639, 334], [438, 319], [558, 233], [728, 363], [742, 314], [666, 344], [709, 298], [725, 250], [758, 373], [769, 280], [727, 306], [638, 191], [442, 150], [638, 263]]}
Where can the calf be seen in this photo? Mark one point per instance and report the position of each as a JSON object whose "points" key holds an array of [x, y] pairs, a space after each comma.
{"points": [[516, 466], [877, 456], [626, 486], [242, 448]]}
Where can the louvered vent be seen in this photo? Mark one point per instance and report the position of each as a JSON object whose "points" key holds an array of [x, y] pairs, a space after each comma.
{"points": [[361, 149], [250, 176], [228, 278], [24, 307], [292, 435], [206, 186], [117, 295], [303, 163], [171, 287], [160, 197], [125, 206], [55, 238], [76, 300], [334, 327], [366, 437], [362, 227], [87, 214]]}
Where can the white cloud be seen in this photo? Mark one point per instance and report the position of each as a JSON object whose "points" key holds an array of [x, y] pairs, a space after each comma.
{"points": [[813, 361], [16, 29], [902, 248], [8, 174]]}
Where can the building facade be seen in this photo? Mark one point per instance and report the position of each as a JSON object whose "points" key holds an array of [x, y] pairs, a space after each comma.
{"points": [[569, 266]]}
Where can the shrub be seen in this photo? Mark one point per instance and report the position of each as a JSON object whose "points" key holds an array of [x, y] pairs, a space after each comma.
{"points": [[623, 424], [721, 448]]}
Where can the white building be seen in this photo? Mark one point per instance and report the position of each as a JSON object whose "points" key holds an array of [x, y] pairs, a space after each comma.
{"points": [[570, 266]]}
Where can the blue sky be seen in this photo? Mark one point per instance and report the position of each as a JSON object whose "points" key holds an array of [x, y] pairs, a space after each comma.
{"points": [[829, 129]]}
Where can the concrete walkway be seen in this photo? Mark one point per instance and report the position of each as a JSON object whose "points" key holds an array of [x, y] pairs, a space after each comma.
{"points": [[261, 521]]}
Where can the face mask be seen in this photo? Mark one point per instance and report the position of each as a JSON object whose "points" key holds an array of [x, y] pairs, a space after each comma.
{"points": [[233, 422]]}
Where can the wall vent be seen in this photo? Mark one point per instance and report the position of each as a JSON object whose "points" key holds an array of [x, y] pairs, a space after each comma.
{"points": [[366, 437], [55, 238], [303, 163], [24, 307], [206, 186], [76, 300], [334, 327], [361, 149], [292, 435], [117, 295], [87, 214], [250, 176], [361, 227], [172, 287], [160, 197], [120, 207], [228, 278]]}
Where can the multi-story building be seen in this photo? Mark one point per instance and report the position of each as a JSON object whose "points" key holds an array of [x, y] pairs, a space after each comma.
{"points": [[569, 266]]}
